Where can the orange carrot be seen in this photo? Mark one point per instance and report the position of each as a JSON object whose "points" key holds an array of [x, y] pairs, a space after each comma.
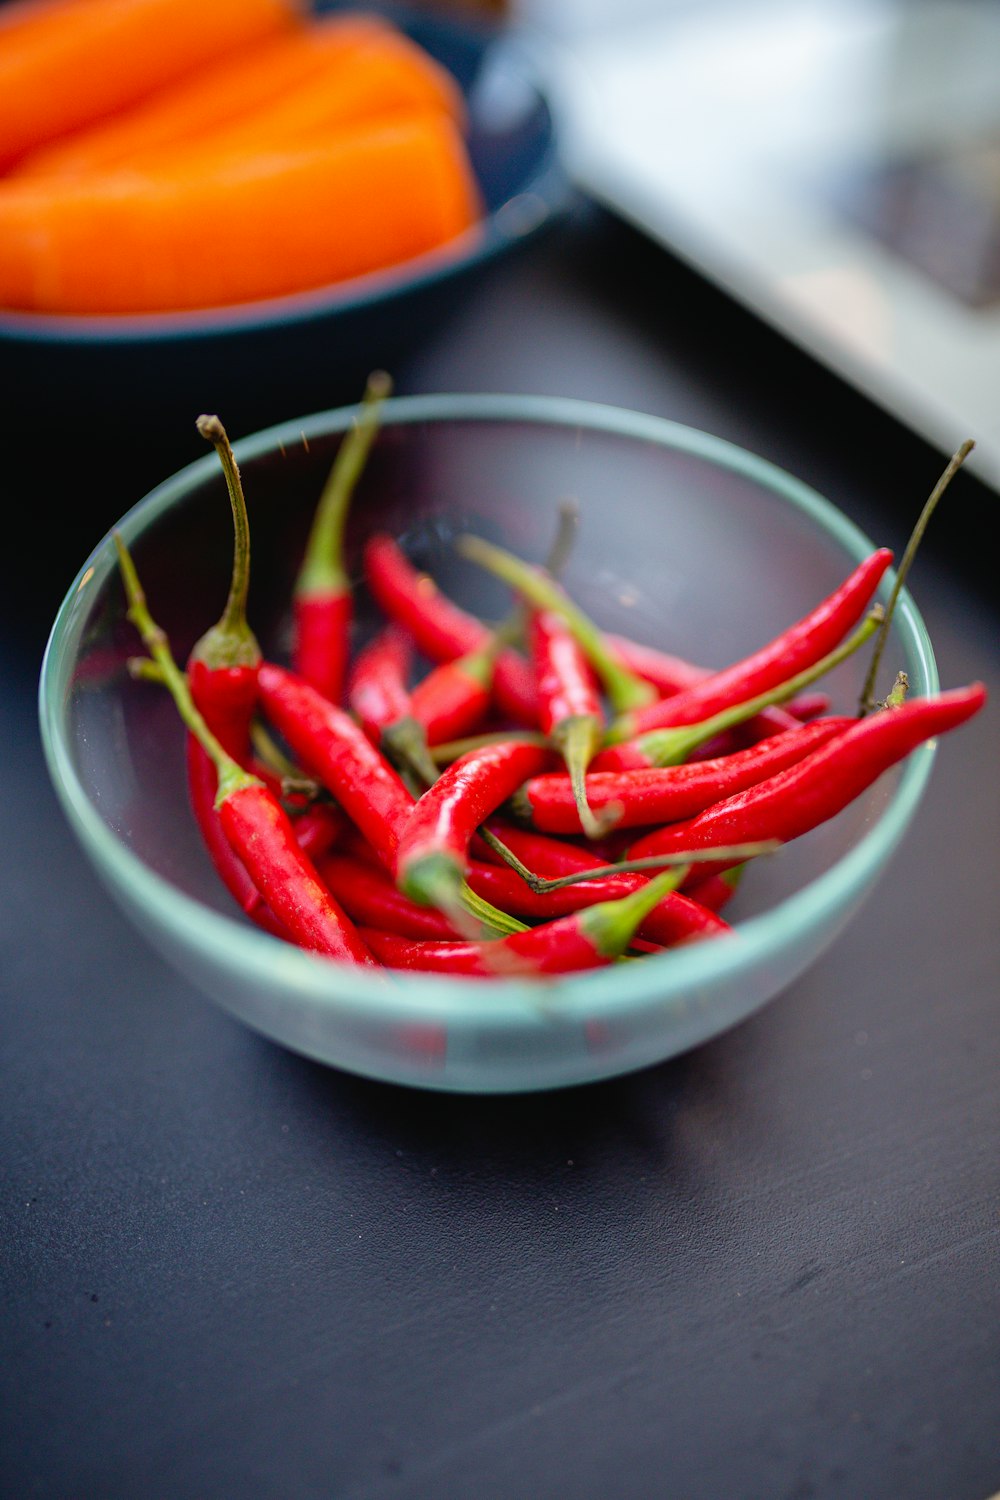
{"points": [[227, 89], [333, 77], [239, 229], [67, 63]]}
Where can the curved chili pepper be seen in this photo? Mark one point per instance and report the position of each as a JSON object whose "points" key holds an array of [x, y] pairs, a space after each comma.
{"points": [[222, 674], [714, 891], [640, 798], [339, 754], [448, 701], [672, 745], [570, 711], [222, 665], [790, 653], [258, 829], [440, 628], [674, 674], [322, 604], [625, 689], [202, 787], [799, 799], [433, 845], [369, 897], [677, 918], [377, 688], [586, 939]]}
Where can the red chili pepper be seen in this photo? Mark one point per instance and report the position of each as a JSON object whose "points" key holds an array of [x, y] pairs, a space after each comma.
{"points": [[202, 786], [454, 698], [785, 657], [670, 746], [258, 829], [640, 798], [799, 799], [433, 844], [222, 666], [440, 628], [714, 891], [569, 701], [625, 689], [318, 828], [368, 895], [450, 700], [377, 688], [338, 753], [586, 939], [677, 918], [323, 605], [222, 673], [673, 674]]}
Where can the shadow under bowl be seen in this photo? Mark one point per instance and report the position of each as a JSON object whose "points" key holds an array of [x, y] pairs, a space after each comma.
{"points": [[684, 541]]}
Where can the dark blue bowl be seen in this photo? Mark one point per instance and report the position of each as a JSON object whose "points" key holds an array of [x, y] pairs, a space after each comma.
{"points": [[257, 363]]}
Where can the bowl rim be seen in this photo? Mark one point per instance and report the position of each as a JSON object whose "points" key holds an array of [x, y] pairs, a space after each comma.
{"points": [[545, 193], [613, 991]]}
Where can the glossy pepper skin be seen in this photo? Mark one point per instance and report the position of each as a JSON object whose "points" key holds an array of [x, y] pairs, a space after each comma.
{"points": [[643, 797], [441, 630], [257, 828], [222, 677], [261, 833], [368, 895], [433, 846], [675, 919], [323, 600], [377, 683], [586, 939], [338, 753], [791, 652], [797, 800], [673, 674]]}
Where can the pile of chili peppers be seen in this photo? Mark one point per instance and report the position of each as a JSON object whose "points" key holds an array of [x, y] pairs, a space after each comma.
{"points": [[542, 796]]}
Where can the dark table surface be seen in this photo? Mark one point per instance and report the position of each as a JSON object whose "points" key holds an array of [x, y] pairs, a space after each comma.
{"points": [[767, 1269]]}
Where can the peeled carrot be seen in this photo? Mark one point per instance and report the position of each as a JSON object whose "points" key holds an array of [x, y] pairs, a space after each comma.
{"points": [[237, 229], [67, 63], [230, 90]]}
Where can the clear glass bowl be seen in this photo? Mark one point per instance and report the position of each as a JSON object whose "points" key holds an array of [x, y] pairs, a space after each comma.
{"points": [[684, 541]]}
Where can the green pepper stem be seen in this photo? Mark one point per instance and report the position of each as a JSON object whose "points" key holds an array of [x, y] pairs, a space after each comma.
{"points": [[578, 739], [405, 744], [322, 569], [624, 689], [611, 925], [735, 853], [495, 923], [231, 776], [671, 747], [230, 642], [867, 700], [896, 696], [450, 750]]}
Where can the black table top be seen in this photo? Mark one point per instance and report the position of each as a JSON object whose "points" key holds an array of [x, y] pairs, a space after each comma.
{"points": [[767, 1269]]}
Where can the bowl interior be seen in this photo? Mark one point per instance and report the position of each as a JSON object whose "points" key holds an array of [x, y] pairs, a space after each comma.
{"points": [[683, 542]]}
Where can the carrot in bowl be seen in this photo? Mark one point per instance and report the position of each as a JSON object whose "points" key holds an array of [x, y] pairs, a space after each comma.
{"points": [[384, 77], [66, 63], [236, 229], [229, 88]]}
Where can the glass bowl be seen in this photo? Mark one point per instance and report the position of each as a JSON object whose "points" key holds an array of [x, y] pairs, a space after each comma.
{"points": [[684, 541]]}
